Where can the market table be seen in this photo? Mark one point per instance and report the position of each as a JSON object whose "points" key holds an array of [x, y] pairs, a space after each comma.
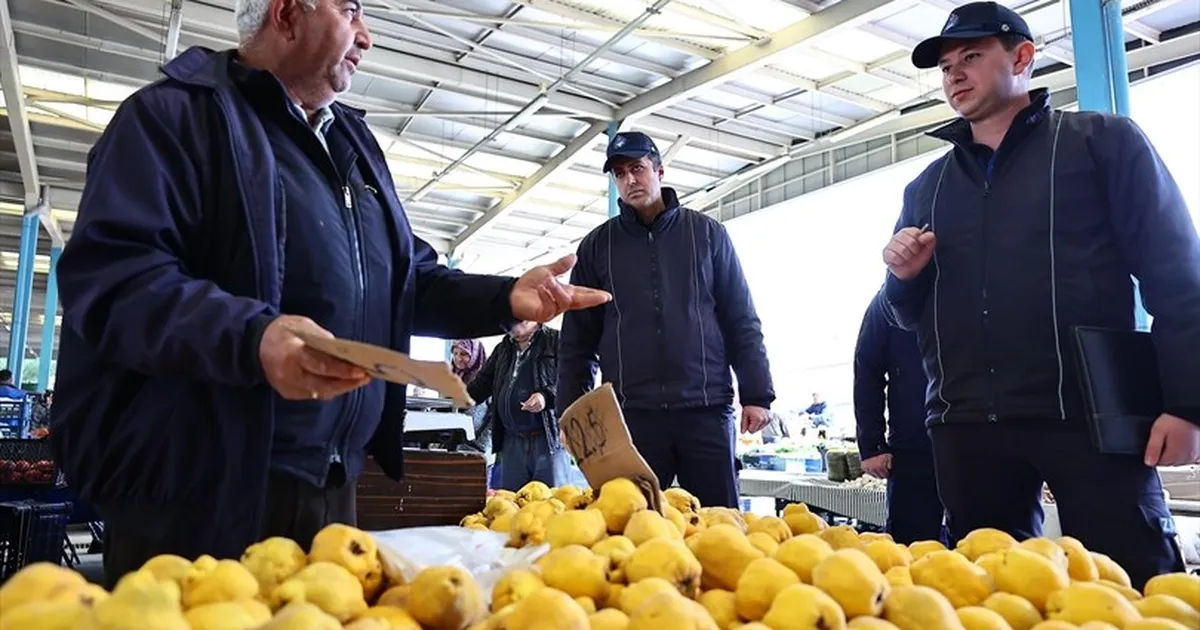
{"points": [[438, 488], [867, 505]]}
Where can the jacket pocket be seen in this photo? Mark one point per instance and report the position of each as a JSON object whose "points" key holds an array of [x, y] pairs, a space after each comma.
{"points": [[161, 449]]}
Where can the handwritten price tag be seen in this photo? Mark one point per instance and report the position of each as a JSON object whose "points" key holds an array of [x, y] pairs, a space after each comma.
{"points": [[600, 442]]}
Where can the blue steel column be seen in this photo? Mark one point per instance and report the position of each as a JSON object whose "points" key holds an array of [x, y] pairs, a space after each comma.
{"points": [[1102, 75], [613, 195], [1118, 66], [23, 296], [1093, 79], [50, 313]]}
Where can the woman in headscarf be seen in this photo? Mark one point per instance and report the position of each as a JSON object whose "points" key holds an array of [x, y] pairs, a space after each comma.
{"points": [[467, 357]]}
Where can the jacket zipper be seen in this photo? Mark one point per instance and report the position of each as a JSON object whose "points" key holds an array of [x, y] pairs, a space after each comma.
{"points": [[342, 433], [662, 387], [991, 377]]}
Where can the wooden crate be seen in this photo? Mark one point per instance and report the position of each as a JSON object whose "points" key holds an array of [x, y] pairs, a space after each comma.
{"points": [[438, 488]]}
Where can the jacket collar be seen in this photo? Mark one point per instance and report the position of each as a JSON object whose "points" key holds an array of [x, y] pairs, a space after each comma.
{"points": [[203, 67], [665, 218], [958, 131]]}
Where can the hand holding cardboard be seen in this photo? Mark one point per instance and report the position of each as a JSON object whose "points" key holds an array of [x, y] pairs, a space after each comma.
{"points": [[599, 441], [392, 366]]}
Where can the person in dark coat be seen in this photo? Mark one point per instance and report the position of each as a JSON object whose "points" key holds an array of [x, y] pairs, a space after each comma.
{"points": [[681, 317], [233, 209], [889, 408], [1036, 222], [520, 381]]}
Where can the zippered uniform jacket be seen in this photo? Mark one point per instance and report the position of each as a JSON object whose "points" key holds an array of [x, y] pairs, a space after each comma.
{"points": [[680, 317], [1039, 237]]}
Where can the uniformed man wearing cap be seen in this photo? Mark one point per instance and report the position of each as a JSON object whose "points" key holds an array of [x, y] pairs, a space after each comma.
{"points": [[1033, 224], [681, 316]]}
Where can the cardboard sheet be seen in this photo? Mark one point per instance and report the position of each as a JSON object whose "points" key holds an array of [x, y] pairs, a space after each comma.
{"points": [[394, 367], [600, 442]]}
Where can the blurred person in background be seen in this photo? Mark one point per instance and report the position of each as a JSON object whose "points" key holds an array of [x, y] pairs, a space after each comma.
{"points": [[1038, 221], [520, 380], [776, 430], [7, 388], [889, 409], [41, 414], [682, 316], [817, 411], [467, 358]]}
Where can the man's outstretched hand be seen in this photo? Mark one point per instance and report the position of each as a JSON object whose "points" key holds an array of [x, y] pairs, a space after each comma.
{"points": [[538, 296]]}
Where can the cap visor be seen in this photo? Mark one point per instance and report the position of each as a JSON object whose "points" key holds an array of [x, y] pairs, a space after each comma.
{"points": [[624, 155], [928, 53]]}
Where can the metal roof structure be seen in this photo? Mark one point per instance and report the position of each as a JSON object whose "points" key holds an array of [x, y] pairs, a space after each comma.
{"points": [[493, 112]]}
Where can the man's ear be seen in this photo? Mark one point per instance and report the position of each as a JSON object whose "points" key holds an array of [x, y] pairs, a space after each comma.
{"points": [[1023, 62], [282, 15]]}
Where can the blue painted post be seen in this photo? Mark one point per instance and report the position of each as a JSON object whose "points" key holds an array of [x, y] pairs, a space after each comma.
{"points": [[50, 312], [1102, 77], [23, 296], [1118, 67], [613, 208], [1093, 79]]}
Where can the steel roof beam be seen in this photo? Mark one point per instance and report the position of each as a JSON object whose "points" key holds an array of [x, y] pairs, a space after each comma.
{"points": [[1172, 50], [206, 18], [562, 160], [844, 14], [385, 63], [14, 99], [1181, 47]]}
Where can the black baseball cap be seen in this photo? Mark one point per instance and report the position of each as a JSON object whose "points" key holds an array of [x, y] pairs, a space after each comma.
{"points": [[970, 21], [629, 144]]}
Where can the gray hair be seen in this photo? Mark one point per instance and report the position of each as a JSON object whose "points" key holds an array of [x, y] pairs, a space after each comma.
{"points": [[249, 16]]}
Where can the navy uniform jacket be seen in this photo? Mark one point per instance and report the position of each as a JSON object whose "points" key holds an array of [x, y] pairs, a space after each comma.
{"points": [[1040, 236], [888, 375], [680, 317], [163, 418]]}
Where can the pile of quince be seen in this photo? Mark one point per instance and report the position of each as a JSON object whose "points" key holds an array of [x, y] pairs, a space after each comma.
{"points": [[614, 563], [341, 583]]}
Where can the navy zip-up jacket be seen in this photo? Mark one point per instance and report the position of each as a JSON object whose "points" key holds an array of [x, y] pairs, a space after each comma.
{"points": [[163, 418], [888, 374], [1039, 237], [338, 257], [680, 317]]}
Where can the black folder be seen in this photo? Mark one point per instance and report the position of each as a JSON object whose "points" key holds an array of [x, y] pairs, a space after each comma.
{"points": [[1122, 393]]}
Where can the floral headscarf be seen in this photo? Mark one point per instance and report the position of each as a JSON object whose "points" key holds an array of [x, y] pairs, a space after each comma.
{"points": [[474, 349]]}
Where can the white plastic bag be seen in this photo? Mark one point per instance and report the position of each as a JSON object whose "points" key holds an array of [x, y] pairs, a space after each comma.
{"points": [[481, 553]]}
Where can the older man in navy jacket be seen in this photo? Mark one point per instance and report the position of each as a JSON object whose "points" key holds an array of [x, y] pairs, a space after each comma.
{"points": [[889, 407], [681, 316], [230, 208], [1037, 219]]}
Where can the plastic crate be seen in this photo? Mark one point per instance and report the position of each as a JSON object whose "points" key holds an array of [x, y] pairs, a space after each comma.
{"points": [[15, 416], [27, 463], [31, 532]]}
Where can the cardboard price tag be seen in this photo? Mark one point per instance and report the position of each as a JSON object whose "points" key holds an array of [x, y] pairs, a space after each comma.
{"points": [[599, 440], [394, 367]]}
